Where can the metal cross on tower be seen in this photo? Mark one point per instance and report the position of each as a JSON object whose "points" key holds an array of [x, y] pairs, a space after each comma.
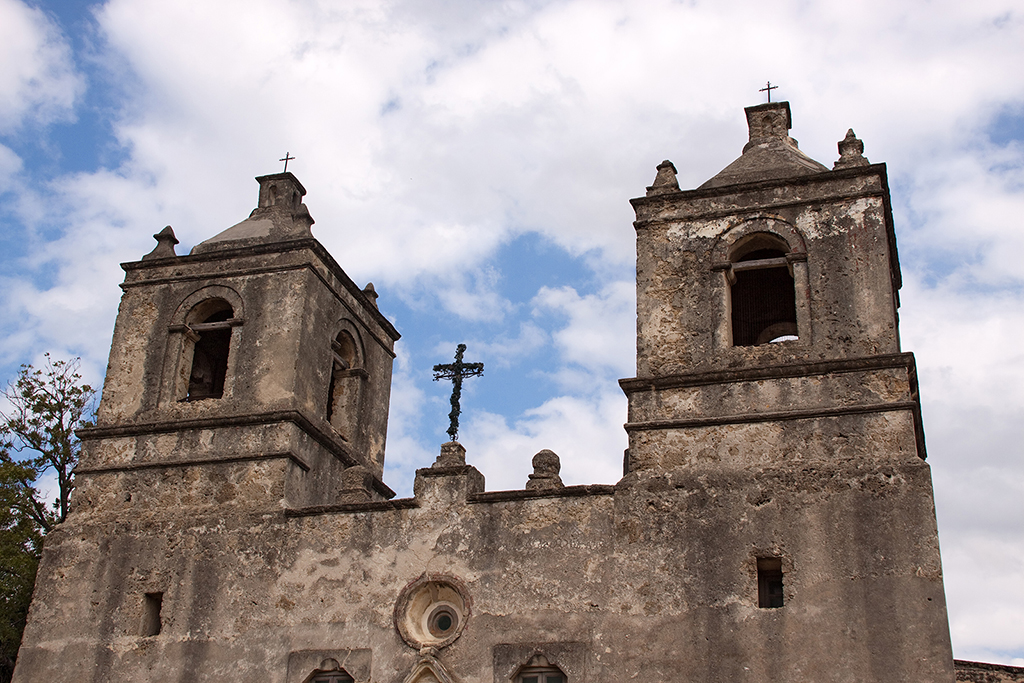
{"points": [[286, 160], [768, 88], [456, 372]]}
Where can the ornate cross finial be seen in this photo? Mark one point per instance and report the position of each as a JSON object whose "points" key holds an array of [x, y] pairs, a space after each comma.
{"points": [[456, 372], [768, 89], [286, 160]]}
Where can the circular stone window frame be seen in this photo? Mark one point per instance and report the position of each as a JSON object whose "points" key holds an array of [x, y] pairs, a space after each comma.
{"points": [[423, 603]]}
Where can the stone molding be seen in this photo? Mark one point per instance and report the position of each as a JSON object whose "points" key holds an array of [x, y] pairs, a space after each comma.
{"points": [[329, 443]]}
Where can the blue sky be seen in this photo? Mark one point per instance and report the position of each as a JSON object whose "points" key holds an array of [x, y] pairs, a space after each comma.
{"points": [[475, 161]]}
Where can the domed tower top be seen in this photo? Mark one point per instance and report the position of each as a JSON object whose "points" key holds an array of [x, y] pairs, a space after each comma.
{"points": [[771, 153]]}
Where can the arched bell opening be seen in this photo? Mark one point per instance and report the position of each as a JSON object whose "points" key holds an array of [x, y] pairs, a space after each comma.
{"points": [[211, 349], [344, 394], [763, 295]]}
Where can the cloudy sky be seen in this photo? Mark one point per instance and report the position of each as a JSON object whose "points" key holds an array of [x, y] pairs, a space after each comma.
{"points": [[475, 161]]}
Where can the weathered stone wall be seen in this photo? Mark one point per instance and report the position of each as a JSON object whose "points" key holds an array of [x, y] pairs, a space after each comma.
{"points": [[654, 579]]}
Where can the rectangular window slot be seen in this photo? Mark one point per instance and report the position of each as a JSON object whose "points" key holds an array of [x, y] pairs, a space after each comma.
{"points": [[151, 614], [769, 582]]}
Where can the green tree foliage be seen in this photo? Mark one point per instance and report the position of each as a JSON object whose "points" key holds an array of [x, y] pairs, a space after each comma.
{"points": [[37, 439], [20, 544], [46, 407]]}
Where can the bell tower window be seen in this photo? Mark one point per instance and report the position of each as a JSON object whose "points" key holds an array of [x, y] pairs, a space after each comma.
{"points": [[346, 385], [210, 354], [763, 299]]}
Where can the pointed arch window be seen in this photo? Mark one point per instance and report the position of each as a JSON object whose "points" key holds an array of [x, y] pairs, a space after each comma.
{"points": [[540, 670], [763, 297], [332, 677], [330, 671], [210, 352]]}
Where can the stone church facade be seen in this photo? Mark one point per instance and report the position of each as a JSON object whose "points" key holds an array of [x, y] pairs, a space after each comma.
{"points": [[774, 521]]}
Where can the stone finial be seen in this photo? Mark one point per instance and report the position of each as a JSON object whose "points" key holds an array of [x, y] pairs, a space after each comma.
{"points": [[770, 120], [281, 191], [665, 182], [453, 454], [546, 466], [371, 293], [165, 241], [356, 485], [851, 152]]}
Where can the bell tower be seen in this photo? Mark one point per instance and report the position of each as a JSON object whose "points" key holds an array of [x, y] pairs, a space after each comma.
{"points": [[252, 371], [771, 386]]}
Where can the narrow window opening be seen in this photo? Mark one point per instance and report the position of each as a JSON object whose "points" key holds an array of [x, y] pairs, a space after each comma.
{"points": [[769, 582], [333, 677], [345, 386], [763, 299], [540, 670], [330, 671], [151, 623], [210, 356]]}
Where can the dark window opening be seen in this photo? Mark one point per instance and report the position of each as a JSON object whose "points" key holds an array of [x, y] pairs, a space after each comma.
{"points": [[343, 354], [333, 677], [210, 356], [539, 670], [442, 621], [329, 671], [769, 582], [763, 299], [343, 394], [151, 614]]}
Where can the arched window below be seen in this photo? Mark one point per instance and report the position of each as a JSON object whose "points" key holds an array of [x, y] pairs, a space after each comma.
{"points": [[210, 353], [329, 671], [333, 677], [539, 670], [346, 388], [763, 295]]}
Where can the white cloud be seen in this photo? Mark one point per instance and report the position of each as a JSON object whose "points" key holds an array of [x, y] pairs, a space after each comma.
{"points": [[971, 371], [600, 336], [586, 433], [502, 351], [405, 449], [38, 81]]}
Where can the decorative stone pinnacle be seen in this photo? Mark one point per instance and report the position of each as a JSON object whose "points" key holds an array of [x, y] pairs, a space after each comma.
{"points": [[165, 241], [371, 293], [453, 454], [356, 485], [851, 152], [769, 120], [546, 466], [665, 182]]}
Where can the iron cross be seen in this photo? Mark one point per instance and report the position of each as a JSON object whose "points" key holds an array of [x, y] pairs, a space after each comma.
{"points": [[456, 372], [768, 88], [286, 160]]}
